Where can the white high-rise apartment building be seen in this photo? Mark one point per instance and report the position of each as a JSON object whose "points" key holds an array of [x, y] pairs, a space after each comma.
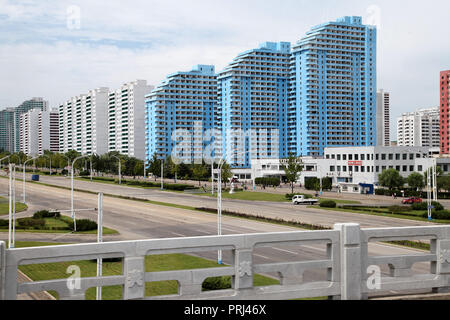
{"points": [[126, 119], [383, 119], [419, 128], [38, 132], [83, 123]]}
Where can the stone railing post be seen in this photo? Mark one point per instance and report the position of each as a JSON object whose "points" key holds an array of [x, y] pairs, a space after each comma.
{"points": [[351, 267], [134, 272], [442, 266], [2, 270], [243, 264]]}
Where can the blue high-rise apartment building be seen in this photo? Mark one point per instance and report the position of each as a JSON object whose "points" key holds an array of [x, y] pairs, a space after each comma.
{"points": [[272, 101], [332, 90], [252, 104], [180, 116]]}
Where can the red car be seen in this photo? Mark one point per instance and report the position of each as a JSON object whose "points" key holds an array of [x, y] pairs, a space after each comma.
{"points": [[412, 200]]}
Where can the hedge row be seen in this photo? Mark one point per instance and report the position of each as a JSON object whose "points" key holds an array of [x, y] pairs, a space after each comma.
{"points": [[150, 184], [441, 215], [409, 193], [268, 181]]}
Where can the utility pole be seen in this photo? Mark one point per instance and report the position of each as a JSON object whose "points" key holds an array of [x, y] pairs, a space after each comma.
{"points": [[100, 240], [10, 205], [162, 174]]}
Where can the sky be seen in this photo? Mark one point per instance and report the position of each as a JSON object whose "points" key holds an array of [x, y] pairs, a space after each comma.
{"points": [[57, 49]]}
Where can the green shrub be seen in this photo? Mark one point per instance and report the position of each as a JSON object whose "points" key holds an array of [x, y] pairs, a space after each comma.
{"points": [[85, 173], [419, 206], [84, 225], [31, 223], [216, 283], [328, 204], [424, 206], [46, 214], [437, 206], [4, 223], [441, 214], [399, 209]]}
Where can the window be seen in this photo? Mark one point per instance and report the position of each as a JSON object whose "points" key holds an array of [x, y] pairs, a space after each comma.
{"points": [[411, 156], [419, 168], [332, 168], [339, 157], [383, 168], [344, 157], [397, 156], [405, 156], [350, 157], [357, 157], [356, 169], [377, 169], [405, 168], [363, 169], [363, 157], [391, 156], [344, 168], [338, 168], [377, 157], [383, 156], [411, 168]]}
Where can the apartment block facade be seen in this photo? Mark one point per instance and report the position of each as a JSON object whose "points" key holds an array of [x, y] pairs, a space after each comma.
{"points": [[383, 119], [252, 104], [39, 131], [34, 103], [7, 129], [180, 116], [444, 98], [126, 119], [419, 129], [83, 123], [333, 85]]}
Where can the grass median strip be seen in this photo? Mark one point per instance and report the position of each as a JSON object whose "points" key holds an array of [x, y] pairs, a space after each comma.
{"points": [[4, 206], [155, 263]]}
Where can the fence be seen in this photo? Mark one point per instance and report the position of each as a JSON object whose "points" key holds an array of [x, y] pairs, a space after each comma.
{"points": [[346, 263]]}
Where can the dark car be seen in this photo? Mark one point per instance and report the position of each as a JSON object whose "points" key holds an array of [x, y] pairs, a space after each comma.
{"points": [[412, 200]]}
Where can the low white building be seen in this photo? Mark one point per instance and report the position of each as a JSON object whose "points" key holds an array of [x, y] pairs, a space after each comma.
{"points": [[351, 169]]}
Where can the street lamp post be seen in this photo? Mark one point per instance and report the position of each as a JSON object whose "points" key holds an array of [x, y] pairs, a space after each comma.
{"points": [[71, 192], [24, 182], [162, 174], [100, 240], [120, 167], [219, 203]]}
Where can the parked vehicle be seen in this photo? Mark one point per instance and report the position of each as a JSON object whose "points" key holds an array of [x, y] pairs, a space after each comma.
{"points": [[412, 200], [302, 200]]}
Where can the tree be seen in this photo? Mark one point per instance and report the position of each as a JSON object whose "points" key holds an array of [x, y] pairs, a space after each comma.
{"points": [[226, 173], [391, 179], [292, 170], [443, 183], [155, 166], [199, 172], [415, 180], [139, 168]]}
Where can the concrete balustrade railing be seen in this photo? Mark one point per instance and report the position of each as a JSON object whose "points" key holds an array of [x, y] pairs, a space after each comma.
{"points": [[347, 263]]}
